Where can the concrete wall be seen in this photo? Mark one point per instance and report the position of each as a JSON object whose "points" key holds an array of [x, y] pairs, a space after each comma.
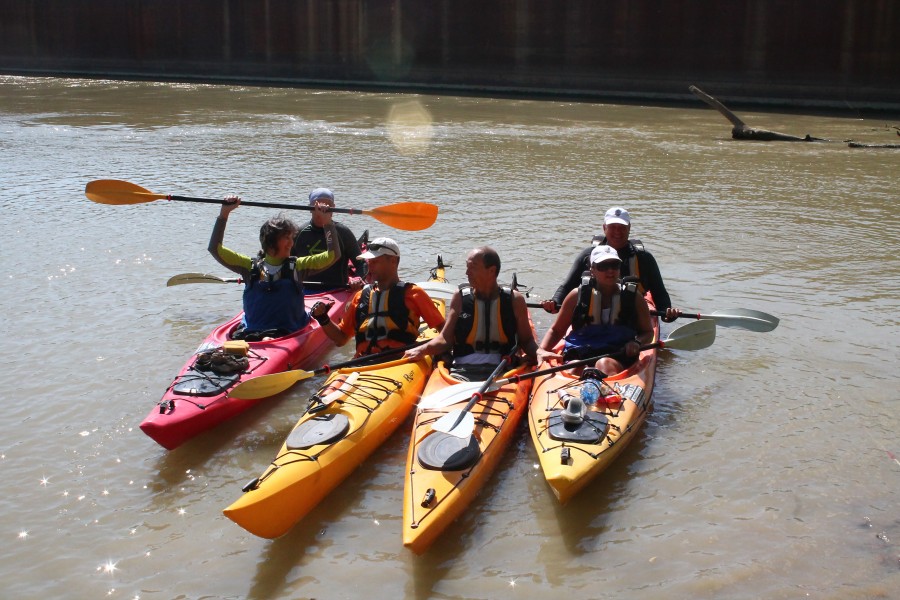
{"points": [[804, 52]]}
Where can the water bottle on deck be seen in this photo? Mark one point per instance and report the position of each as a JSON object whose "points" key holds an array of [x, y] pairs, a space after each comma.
{"points": [[590, 393]]}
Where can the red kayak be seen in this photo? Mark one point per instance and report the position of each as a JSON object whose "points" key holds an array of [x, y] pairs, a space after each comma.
{"points": [[197, 400]]}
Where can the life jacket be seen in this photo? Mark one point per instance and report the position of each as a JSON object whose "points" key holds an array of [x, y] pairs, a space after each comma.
{"points": [[635, 248], [274, 302], [487, 327], [383, 315], [591, 332]]}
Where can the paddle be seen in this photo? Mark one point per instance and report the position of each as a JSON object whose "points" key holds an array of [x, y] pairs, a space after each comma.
{"points": [[693, 336], [184, 278], [461, 423], [409, 216], [269, 385], [737, 318]]}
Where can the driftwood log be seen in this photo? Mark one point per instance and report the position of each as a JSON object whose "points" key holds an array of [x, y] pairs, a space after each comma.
{"points": [[740, 130]]}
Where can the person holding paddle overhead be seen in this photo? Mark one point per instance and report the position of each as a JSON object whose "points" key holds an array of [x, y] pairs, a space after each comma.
{"points": [[484, 321], [385, 313], [311, 240], [635, 262], [273, 295], [605, 316]]}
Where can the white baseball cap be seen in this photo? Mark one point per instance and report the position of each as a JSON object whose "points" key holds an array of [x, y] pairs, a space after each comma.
{"points": [[604, 253], [617, 214], [381, 247]]}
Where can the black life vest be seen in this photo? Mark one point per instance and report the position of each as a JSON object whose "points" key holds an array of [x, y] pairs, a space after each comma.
{"points": [[383, 314], [635, 248], [485, 326], [587, 309]]}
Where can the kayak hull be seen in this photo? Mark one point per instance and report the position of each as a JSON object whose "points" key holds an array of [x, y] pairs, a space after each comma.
{"points": [[435, 495], [374, 403], [197, 400], [573, 455], [360, 408]]}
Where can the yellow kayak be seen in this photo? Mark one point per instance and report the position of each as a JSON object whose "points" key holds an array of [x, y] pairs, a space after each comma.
{"points": [[573, 453], [445, 472], [353, 413]]}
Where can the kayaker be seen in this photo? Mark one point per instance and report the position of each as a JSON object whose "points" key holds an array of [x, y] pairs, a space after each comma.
{"points": [[311, 240], [386, 312], [484, 321], [636, 262], [273, 292], [606, 316]]}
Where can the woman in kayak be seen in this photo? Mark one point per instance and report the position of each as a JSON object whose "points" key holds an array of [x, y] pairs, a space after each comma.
{"points": [[606, 316], [273, 292]]}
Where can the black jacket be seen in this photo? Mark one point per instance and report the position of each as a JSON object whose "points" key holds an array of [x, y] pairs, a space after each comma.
{"points": [[651, 279]]}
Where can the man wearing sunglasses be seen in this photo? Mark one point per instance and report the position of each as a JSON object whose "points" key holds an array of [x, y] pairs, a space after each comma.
{"points": [[385, 313], [635, 262], [605, 316], [311, 240]]}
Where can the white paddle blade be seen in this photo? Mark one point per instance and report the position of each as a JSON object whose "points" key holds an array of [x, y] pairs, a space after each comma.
{"points": [[693, 336], [458, 423], [744, 318], [196, 278], [438, 290], [450, 395]]}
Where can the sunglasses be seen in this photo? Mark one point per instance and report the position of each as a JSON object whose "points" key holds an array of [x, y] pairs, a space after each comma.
{"points": [[606, 266], [377, 247]]}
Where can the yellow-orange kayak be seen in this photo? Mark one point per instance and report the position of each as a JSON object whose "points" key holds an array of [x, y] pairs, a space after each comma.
{"points": [[573, 453], [360, 408], [445, 472]]}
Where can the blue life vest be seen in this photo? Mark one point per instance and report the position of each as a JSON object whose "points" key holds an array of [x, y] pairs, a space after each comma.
{"points": [[274, 303]]}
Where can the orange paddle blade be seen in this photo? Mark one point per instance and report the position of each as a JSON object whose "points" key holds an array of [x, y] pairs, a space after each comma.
{"points": [[408, 216], [113, 191]]}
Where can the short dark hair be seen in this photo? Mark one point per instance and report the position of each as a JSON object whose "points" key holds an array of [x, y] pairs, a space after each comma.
{"points": [[489, 257], [273, 229]]}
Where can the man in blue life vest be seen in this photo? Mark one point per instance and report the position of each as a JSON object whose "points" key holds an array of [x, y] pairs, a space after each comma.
{"points": [[384, 314], [311, 240], [484, 321], [636, 261], [606, 317]]}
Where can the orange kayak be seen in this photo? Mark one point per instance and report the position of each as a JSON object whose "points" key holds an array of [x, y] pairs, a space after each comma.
{"points": [[573, 453], [445, 472]]}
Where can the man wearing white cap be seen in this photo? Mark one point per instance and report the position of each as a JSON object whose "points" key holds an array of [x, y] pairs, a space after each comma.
{"points": [[636, 262], [384, 314], [311, 240], [605, 317]]}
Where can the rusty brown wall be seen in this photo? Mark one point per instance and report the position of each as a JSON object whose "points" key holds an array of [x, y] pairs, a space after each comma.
{"points": [[783, 51]]}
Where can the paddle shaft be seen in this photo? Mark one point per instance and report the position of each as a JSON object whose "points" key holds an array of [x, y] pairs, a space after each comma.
{"points": [[281, 205], [410, 216], [569, 365], [458, 417], [487, 382], [185, 278], [367, 358]]}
